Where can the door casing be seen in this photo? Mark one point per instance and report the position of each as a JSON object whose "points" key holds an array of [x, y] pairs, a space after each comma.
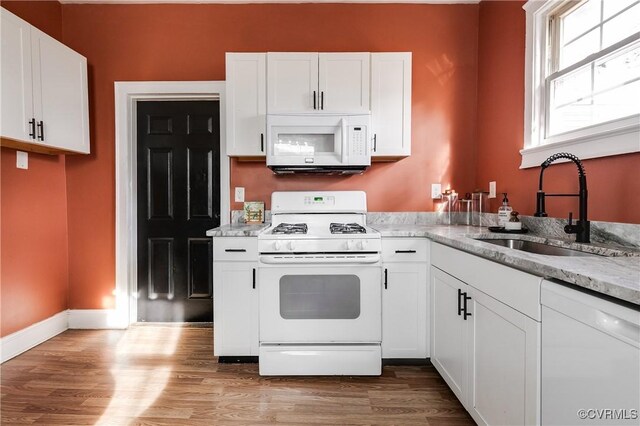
{"points": [[127, 94]]}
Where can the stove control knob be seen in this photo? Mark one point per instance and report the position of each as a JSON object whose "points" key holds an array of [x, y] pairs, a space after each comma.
{"points": [[351, 244], [277, 246], [292, 245], [362, 244]]}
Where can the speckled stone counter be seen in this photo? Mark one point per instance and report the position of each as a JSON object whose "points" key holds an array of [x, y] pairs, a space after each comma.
{"points": [[237, 230], [617, 276]]}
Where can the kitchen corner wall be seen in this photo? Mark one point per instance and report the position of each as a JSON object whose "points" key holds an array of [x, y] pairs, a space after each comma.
{"points": [[34, 274], [613, 182]]}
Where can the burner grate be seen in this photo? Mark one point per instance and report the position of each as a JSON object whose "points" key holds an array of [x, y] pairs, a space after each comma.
{"points": [[290, 228], [347, 228]]}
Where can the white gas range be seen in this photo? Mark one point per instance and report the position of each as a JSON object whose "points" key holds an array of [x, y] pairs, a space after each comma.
{"points": [[320, 278]]}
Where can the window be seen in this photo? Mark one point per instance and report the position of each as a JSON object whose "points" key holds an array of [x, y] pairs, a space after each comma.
{"points": [[583, 78]]}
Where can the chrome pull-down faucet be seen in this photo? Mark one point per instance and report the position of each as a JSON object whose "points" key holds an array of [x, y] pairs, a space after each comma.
{"points": [[582, 228]]}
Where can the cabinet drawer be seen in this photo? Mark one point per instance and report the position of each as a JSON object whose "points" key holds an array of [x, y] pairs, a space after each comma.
{"points": [[234, 248], [405, 250]]}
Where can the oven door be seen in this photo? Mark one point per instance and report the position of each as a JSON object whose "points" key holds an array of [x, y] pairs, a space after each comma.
{"points": [[320, 303]]}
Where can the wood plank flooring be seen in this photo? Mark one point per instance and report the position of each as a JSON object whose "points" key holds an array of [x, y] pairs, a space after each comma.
{"points": [[159, 375]]}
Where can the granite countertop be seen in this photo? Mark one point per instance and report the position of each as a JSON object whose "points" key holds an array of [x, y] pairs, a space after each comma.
{"points": [[616, 275], [238, 230]]}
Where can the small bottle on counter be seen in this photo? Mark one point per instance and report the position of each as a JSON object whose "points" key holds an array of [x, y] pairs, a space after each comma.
{"points": [[514, 223], [504, 211]]}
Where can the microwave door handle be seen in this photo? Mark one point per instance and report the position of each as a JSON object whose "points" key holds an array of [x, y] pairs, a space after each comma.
{"points": [[343, 147]]}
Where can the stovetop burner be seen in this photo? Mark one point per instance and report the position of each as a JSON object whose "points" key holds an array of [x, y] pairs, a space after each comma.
{"points": [[290, 228], [347, 228]]}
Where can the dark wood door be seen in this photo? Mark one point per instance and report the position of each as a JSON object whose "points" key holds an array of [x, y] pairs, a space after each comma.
{"points": [[178, 200]]}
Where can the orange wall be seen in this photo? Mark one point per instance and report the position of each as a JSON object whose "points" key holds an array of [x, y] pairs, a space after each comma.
{"points": [[613, 182], [188, 42], [34, 254]]}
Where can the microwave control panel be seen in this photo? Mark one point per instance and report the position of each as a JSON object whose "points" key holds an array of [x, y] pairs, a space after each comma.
{"points": [[357, 140]]}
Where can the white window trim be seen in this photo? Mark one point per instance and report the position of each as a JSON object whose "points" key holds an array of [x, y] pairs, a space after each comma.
{"points": [[614, 138]]}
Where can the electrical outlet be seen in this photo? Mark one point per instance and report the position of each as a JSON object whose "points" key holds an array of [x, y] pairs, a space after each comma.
{"points": [[436, 190], [22, 160], [492, 189], [239, 194]]}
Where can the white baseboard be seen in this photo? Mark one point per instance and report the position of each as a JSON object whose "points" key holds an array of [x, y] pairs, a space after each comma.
{"points": [[95, 319], [21, 341]]}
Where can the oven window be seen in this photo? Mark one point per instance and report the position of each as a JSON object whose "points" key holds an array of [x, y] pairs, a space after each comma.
{"points": [[320, 297]]}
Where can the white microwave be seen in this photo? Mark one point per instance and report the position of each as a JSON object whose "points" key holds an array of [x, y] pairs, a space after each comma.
{"points": [[336, 143]]}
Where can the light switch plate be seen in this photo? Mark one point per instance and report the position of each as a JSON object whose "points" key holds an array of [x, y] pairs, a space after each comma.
{"points": [[239, 194], [436, 190], [492, 189], [22, 160]]}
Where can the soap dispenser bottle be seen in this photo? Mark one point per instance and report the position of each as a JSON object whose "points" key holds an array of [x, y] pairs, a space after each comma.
{"points": [[504, 212]]}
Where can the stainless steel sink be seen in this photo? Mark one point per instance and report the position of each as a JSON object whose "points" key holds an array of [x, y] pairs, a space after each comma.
{"points": [[533, 247]]}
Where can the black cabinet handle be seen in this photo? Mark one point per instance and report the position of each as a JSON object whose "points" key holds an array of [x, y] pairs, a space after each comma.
{"points": [[459, 303], [464, 307], [261, 142], [41, 130], [386, 278], [375, 142], [235, 250], [254, 277], [405, 251], [314, 99], [322, 100], [32, 126]]}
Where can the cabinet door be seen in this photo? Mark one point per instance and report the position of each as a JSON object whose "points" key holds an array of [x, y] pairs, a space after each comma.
{"points": [[343, 82], [246, 103], [448, 332], [292, 82], [60, 94], [504, 363], [405, 310], [235, 309], [17, 99], [391, 104]]}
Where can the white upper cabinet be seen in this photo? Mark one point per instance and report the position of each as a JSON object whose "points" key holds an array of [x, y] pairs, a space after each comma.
{"points": [[45, 105], [17, 120], [343, 82], [246, 104], [391, 104], [60, 94], [318, 82], [292, 82]]}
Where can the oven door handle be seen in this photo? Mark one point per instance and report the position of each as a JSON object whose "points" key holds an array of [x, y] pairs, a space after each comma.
{"points": [[326, 260]]}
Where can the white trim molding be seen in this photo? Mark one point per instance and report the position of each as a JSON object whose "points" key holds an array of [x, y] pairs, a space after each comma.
{"points": [[126, 96], [95, 319], [614, 138], [21, 341]]}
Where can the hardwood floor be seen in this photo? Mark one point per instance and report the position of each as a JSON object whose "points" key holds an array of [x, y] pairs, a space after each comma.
{"points": [[158, 375]]}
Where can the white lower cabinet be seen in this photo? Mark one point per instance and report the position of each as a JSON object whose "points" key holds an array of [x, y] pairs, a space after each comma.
{"points": [[503, 360], [235, 297], [486, 351], [405, 298], [448, 331]]}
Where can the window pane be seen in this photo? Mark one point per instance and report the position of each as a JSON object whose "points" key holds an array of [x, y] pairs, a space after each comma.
{"points": [[621, 26], [618, 68], [613, 7], [579, 20], [571, 88], [580, 48], [617, 103]]}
